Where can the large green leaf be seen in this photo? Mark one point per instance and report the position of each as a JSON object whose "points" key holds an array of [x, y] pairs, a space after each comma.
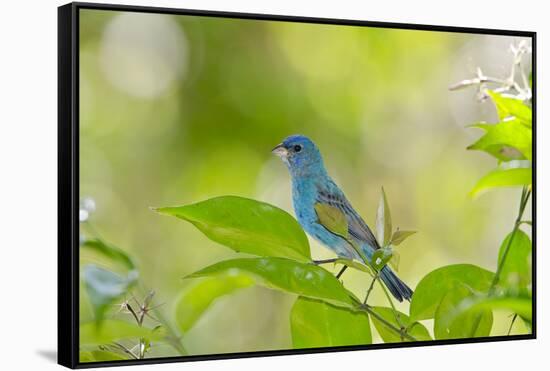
{"points": [[516, 271], [512, 107], [521, 304], [508, 140], [246, 225], [111, 252], [314, 324], [460, 315], [466, 324], [416, 329], [383, 220], [93, 333], [286, 275], [503, 178], [104, 287], [432, 288], [197, 298]]}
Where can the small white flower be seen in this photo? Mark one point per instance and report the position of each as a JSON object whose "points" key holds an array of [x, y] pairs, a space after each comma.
{"points": [[83, 215], [87, 203]]}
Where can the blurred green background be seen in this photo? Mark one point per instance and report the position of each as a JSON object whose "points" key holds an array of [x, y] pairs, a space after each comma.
{"points": [[178, 109]]}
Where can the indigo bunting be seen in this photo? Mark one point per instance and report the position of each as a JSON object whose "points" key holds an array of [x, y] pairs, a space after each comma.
{"points": [[311, 186]]}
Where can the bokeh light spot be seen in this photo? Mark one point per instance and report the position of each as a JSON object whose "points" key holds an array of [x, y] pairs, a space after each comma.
{"points": [[143, 54]]}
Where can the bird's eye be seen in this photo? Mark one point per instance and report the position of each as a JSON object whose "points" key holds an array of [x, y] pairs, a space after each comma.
{"points": [[297, 148]]}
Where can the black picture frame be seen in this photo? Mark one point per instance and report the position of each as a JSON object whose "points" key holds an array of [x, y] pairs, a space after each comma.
{"points": [[68, 180]]}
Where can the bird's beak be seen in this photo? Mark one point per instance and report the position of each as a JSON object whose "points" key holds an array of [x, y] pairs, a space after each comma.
{"points": [[280, 150]]}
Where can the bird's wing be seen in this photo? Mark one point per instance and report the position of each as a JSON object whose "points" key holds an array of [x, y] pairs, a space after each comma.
{"points": [[357, 227]]}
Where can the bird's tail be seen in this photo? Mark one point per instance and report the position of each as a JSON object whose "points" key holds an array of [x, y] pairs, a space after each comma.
{"points": [[398, 288]]}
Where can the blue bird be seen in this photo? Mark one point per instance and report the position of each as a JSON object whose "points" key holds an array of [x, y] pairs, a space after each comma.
{"points": [[311, 185]]}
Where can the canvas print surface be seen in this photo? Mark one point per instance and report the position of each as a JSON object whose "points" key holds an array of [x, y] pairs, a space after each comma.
{"points": [[252, 185]]}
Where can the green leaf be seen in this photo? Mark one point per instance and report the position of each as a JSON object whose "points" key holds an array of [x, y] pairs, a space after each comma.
{"points": [[415, 329], [383, 220], [381, 257], [93, 333], [246, 225], [528, 324], [512, 107], [395, 259], [332, 219], [474, 322], [103, 355], [503, 178], [314, 324], [516, 271], [432, 288], [198, 297], [286, 275], [400, 236], [508, 140], [100, 356], [104, 287], [521, 304], [355, 265], [111, 252], [85, 356]]}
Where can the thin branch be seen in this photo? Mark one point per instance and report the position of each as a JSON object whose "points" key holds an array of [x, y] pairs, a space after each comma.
{"points": [[523, 203], [389, 325], [508, 85], [172, 336], [133, 312], [325, 261], [512, 324], [525, 193], [370, 287], [395, 312], [341, 271], [376, 277]]}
